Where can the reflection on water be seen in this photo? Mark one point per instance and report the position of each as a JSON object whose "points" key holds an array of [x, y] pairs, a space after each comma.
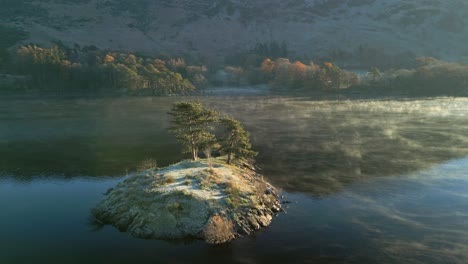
{"points": [[371, 181], [321, 146], [415, 218], [83, 137], [308, 146]]}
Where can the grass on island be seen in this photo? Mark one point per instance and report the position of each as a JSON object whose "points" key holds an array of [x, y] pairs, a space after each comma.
{"points": [[210, 175]]}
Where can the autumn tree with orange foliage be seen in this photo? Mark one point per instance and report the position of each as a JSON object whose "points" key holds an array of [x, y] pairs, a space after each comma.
{"points": [[299, 70], [109, 59], [284, 74], [267, 66]]}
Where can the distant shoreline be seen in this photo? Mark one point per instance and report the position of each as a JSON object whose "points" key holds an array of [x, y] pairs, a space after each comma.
{"points": [[258, 90]]}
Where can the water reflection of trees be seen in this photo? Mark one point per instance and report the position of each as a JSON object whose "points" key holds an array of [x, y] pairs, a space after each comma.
{"points": [[320, 147], [307, 146]]}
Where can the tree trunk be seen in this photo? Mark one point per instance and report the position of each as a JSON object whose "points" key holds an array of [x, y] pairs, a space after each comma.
{"points": [[194, 148], [194, 153]]}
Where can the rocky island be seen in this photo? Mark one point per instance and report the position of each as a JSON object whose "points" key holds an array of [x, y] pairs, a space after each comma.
{"points": [[204, 199], [214, 199]]}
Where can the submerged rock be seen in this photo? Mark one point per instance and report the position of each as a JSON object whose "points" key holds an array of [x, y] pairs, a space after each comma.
{"points": [[212, 201]]}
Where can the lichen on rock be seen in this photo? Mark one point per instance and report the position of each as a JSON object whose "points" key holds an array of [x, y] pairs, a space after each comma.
{"points": [[207, 200]]}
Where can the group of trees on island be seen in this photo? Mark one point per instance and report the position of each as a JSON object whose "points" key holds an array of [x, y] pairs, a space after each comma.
{"points": [[194, 126], [64, 69]]}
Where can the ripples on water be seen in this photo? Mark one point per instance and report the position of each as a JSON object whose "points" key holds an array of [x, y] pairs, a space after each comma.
{"points": [[371, 181]]}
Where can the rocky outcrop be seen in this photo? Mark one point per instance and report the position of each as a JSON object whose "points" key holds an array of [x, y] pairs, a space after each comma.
{"points": [[215, 202]]}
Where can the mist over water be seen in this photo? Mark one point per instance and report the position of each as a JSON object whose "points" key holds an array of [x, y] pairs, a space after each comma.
{"points": [[319, 146], [370, 180]]}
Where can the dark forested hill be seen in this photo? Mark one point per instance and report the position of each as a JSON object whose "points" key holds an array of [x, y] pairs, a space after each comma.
{"points": [[352, 31]]}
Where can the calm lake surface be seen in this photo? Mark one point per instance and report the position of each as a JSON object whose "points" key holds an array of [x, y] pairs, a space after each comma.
{"points": [[370, 181]]}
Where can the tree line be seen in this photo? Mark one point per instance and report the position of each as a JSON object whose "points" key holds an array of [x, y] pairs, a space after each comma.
{"points": [[431, 77], [91, 69], [283, 73]]}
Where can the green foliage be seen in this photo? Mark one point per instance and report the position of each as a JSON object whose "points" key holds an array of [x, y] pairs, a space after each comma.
{"points": [[431, 78], [192, 123], [58, 68], [236, 142]]}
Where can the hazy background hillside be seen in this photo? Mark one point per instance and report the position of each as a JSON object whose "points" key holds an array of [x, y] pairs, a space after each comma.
{"points": [[352, 32]]}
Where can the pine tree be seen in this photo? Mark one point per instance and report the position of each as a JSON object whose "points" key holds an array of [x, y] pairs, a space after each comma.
{"points": [[236, 143], [192, 123]]}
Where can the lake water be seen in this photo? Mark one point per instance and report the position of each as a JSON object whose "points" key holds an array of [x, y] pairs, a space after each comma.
{"points": [[371, 181]]}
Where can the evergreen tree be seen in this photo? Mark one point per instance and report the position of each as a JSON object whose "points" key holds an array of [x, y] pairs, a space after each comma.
{"points": [[192, 125], [236, 144]]}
